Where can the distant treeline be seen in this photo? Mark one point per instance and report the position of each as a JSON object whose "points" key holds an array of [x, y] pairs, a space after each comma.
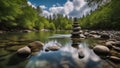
{"points": [[18, 15]]}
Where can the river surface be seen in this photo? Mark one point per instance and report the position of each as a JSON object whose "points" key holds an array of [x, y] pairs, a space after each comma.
{"points": [[66, 57]]}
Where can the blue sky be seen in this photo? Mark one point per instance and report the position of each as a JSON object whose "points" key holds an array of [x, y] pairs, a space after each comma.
{"points": [[72, 8], [48, 3]]}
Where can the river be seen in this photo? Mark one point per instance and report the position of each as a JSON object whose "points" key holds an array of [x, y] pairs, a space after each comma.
{"points": [[65, 57]]}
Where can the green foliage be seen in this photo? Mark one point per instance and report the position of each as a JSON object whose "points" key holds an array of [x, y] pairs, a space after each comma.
{"points": [[17, 14], [105, 17], [61, 22]]}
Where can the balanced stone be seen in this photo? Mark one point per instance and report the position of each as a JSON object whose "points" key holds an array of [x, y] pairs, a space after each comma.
{"points": [[76, 28], [75, 25]]}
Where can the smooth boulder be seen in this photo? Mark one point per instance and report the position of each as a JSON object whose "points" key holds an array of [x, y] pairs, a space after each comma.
{"points": [[36, 46], [102, 51], [25, 51]]}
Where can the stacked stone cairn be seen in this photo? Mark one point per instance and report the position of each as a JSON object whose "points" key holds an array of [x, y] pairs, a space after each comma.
{"points": [[75, 34], [75, 37]]}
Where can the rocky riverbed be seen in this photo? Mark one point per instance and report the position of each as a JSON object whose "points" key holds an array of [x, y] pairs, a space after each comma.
{"points": [[107, 44]]}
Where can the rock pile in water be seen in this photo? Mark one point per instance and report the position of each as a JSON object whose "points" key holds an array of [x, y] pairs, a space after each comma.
{"points": [[75, 36]]}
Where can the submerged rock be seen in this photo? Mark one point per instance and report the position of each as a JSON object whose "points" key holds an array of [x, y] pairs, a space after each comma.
{"points": [[24, 52], [102, 51], [81, 54], [36, 46]]}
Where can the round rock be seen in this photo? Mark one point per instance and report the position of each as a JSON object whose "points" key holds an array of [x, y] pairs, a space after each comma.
{"points": [[101, 50], [25, 51], [36, 46]]}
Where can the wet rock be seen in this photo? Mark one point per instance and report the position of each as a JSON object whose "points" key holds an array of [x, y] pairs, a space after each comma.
{"points": [[76, 28], [24, 52], [105, 36], [65, 64], [96, 36], [109, 44], [117, 43], [82, 36], [116, 48], [114, 59], [26, 31], [93, 32], [36, 46], [52, 48], [86, 33], [101, 50]]}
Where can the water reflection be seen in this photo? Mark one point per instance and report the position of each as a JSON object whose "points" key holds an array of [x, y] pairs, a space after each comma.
{"points": [[67, 57]]}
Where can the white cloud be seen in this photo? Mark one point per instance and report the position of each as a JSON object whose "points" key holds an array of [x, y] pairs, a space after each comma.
{"points": [[68, 7], [75, 8], [46, 13], [56, 10], [30, 4], [43, 7]]}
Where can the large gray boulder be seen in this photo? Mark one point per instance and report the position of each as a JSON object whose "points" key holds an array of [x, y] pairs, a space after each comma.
{"points": [[102, 51], [25, 51], [36, 46]]}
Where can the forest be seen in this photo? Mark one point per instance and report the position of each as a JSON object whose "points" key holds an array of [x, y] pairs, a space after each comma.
{"points": [[106, 17], [18, 15]]}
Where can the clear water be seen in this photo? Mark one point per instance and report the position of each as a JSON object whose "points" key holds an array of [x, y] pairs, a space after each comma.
{"points": [[65, 57]]}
